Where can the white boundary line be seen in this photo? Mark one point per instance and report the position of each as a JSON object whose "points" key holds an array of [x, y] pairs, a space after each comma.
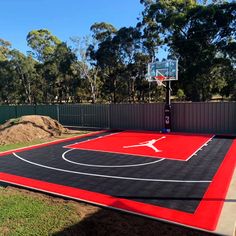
{"points": [[106, 166], [111, 176], [205, 144]]}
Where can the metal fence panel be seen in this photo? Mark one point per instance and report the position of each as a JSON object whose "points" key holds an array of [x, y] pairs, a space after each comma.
{"points": [[47, 110], [96, 115], [205, 117], [126, 116], [7, 112], [153, 116], [137, 116], [83, 115], [70, 115], [23, 110], [202, 117]]}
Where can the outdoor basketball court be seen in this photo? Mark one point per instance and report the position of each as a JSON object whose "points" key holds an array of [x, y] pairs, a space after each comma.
{"points": [[181, 178]]}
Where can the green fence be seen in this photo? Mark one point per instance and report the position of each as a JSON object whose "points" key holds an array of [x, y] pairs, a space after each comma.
{"points": [[85, 115], [8, 112], [201, 117]]}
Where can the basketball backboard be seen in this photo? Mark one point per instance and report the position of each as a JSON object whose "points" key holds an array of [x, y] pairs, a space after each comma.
{"points": [[164, 70]]}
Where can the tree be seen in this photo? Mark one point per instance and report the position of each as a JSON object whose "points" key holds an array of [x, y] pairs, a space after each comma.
{"points": [[180, 95], [104, 56], [4, 49], [102, 31], [60, 74], [84, 47], [6, 88], [67, 81], [26, 81], [199, 35], [117, 55], [43, 44]]}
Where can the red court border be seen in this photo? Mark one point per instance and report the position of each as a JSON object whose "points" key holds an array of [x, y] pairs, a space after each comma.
{"points": [[205, 217]]}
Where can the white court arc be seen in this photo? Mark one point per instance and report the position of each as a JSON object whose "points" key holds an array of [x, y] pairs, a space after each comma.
{"points": [[107, 166], [110, 176]]}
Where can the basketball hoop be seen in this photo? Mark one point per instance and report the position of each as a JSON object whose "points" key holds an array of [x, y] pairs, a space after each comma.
{"points": [[160, 72], [160, 79]]}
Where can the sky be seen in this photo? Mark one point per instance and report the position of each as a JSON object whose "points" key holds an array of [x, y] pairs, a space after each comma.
{"points": [[63, 18]]}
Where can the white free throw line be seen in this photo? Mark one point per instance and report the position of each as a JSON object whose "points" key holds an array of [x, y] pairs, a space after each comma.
{"points": [[111, 176]]}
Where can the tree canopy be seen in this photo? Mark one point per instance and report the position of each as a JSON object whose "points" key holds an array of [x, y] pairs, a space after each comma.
{"points": [[110, 64], [202, 37]]}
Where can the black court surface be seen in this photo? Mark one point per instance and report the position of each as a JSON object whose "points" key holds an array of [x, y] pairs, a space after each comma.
{"points": [[181, 178]]}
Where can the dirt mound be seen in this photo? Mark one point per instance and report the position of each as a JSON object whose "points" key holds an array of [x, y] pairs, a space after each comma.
{"points": [[28, 128]]}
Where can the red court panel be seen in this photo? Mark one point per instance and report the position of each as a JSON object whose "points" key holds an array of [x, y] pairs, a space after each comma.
{"points": [[152, 144]]}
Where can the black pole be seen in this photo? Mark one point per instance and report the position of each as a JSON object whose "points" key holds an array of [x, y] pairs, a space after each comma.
{"points": [[167, 112]]}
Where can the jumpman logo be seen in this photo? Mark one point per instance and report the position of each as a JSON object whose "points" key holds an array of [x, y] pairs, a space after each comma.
{"points": [[149, 144]]}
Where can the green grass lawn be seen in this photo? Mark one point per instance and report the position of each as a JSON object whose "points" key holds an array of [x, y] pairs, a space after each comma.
{"points": [[19, 145], [26, 214]]}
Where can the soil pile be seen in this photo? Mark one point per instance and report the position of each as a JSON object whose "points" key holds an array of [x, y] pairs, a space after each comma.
{"points": [[29, 128]]}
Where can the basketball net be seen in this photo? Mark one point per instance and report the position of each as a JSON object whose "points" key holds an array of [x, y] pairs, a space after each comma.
{"points": [[160, 79]]}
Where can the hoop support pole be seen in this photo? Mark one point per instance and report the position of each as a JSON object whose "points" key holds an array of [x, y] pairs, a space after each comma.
{"points": [[167, 109]]}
